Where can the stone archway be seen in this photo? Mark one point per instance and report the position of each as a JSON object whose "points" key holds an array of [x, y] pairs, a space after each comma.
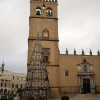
{"points": [[87, 84], [1, 91], [5, 91], [8, 92]]}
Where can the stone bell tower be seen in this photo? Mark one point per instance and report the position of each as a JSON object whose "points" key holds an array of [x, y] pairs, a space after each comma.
{"points": [[44, 14]]}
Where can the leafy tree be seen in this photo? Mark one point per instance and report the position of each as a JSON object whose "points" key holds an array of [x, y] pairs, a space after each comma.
{"points": [[64, 98], [19, 90]]}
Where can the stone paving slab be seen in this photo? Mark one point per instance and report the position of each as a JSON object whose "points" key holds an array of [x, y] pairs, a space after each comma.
{"points": [[86, 97]]}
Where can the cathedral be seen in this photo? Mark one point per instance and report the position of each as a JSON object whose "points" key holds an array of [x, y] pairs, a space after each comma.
{"points": [[66, 73]]}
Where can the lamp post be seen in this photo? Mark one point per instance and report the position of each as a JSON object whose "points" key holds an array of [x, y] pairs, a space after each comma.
{"points": [[46, 91]]}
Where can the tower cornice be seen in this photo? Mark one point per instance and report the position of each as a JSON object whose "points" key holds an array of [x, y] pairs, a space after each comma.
{"points": [[44, 17], [56, 40], [50, 1]]}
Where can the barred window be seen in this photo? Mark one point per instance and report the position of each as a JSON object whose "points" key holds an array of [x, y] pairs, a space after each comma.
{"points": [[45, 59]]}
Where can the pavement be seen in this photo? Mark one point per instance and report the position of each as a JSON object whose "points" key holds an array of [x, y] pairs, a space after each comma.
{"points": [[86, 97]]}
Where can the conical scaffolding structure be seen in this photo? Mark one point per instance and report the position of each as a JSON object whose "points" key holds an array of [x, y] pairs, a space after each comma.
{"points": [[37, 82]]}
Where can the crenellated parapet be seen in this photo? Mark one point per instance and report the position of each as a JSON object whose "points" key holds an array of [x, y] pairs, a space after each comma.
{"points": [[82, 53], [2, 67], [66, 51], [46, 0], [98, 53]]}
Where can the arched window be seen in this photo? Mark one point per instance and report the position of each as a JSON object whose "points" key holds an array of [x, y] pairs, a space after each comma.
{"points": [[38, 11], [49, 12], [5, 91], [5, 85]]}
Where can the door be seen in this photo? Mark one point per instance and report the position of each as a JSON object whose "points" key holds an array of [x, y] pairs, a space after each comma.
{"points": [[86, 86]]}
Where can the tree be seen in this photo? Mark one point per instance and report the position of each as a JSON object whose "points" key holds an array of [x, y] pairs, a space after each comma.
{"points": [[20, 91]]}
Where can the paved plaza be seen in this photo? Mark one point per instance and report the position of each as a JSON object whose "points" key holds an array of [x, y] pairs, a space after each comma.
{"points": [[86, 97]]}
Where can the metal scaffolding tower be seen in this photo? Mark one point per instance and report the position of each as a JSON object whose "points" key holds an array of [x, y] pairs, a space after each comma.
{"points": [[37, 82]]}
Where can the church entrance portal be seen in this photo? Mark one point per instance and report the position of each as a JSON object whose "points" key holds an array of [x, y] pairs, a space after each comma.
{"points": [[86, 86]]}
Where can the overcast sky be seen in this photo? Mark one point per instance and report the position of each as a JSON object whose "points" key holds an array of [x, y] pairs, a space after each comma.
{"points": [[79, 28]]}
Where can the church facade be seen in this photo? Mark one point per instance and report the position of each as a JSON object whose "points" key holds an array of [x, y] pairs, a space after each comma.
{"points": [[67, 73]]}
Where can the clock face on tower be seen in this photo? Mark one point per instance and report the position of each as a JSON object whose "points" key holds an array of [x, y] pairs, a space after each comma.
{"points": [[45, 33]]}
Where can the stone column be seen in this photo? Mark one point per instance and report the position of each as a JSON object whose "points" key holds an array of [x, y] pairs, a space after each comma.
{"points": [[10, 85], [79, 78], [79, 81], [4, 83], [3, 86], [81, 85], [7, 83], [92, 83]]}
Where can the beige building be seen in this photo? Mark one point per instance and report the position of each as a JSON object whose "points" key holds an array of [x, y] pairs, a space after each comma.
{"points": [[10, 81], [67, 72]]}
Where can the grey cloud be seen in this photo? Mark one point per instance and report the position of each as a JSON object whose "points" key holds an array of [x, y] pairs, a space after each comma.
{"points": [[81, 20]]}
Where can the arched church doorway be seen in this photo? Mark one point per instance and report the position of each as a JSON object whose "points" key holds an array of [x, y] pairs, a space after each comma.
{"points": [[86, 77]]}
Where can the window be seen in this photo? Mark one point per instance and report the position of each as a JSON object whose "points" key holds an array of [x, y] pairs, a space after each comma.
{"points": [[49, 12], [12, 85], [16, 85], [13, 77], [21, 86], [84, 61], [38, 11], [46, 52], [66, 73], [21, 78], [17, 77], [45, 59]]}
